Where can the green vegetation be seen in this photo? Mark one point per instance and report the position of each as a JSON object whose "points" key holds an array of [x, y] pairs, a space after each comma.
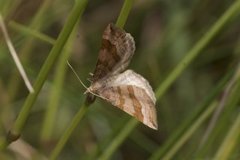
{"points": [[189, 52]]}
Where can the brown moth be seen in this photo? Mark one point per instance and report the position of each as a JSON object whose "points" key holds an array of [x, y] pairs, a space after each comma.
{"points": [[127, 90]]}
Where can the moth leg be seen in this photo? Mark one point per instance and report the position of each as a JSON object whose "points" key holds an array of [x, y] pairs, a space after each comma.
{"points": [[91, 74], [90, 79]]}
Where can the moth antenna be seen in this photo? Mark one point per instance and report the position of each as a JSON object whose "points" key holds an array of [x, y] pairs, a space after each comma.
{"points": [[98, 95], [77, 76], [87, 89]]}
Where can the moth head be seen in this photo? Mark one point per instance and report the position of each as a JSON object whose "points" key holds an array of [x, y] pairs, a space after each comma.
{"points": [[95, 86], [94, 91]]}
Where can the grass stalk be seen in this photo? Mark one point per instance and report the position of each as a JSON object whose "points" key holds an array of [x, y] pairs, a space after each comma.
{"points": [[3, 143], [53, 55], [8, 7], [223, 104], [25, 51], [115, 142], [184, 129], [190, 56], [29, 31], [198, 47], [63, 140], [124, 13], [50, 116], [223, 121], [230, 141], [14, 55], [187, 134]]}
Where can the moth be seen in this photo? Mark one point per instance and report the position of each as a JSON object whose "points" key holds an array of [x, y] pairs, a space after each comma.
{"points": [[123, 88]]}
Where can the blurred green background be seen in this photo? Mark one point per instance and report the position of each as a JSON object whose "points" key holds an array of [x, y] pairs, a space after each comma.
{"points": [[164, 31]]}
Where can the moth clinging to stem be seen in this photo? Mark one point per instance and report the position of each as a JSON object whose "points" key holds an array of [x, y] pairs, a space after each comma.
{"points": [[123, 88]]}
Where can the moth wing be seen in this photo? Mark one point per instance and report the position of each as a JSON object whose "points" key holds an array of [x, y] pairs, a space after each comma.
{"points": [[132, 93], [115, 54]]}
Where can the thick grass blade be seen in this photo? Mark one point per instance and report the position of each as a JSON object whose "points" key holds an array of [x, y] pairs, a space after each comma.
{"points": [[230, 141]]}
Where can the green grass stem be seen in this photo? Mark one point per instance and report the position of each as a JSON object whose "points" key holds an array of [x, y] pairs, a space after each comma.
{"points": [[198, 47], [184, 129], [187, 134], [230, 141], [54, 53], [73, 124], [8, 7], [3, 143], [51, 111], [223, 122], [115, 142], [29, 31], [122, 18], [25, 51], [15, 80]]}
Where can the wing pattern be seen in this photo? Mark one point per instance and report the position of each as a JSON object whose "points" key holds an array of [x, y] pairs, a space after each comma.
{"points": [[115, 54], [131, 93]]}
